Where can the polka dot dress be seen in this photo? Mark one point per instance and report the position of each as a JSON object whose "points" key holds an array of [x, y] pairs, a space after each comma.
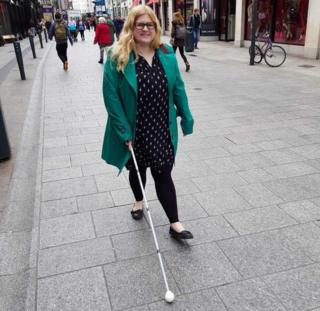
{"points": [[152, 144]]}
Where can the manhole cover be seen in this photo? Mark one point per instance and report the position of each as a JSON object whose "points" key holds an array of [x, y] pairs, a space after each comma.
{"points": [[306, 66], [197, 88]]}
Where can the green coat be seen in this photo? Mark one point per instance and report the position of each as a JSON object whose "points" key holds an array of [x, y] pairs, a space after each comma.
{"points": [[120, 97]]}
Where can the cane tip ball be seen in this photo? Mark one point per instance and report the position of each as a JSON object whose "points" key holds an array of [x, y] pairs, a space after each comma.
{"points": [[169, 296]]}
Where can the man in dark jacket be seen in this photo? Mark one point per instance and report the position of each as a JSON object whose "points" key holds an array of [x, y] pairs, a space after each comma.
{"points": [[61, 33], [195, 23], [118, 24]]}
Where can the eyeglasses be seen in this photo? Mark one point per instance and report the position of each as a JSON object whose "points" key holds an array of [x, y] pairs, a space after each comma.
{"points": [[140, 26]]}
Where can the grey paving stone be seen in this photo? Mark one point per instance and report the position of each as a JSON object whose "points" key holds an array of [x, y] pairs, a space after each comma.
{"points": [[258, 195], [308, 151], [251, 160], [13, 219], [273, 144], [223, 165], [59, 151], [75, 256], [298, 289], [249, 295], [256, 175], [51, 209], [136, 281], [282, 156], [315, 163], [61, 173], [205, 300], [291, 170], [14, 250], [93, 147], [190, 169], [142, 308], [125, 196], [55, 142], [66, 229], [81, 290], [221, 201], [110, 181], [84, 139], [209, 153], [95, 201], [68, 188], [311, 181], [86, 158], [214, 182], [116, 220], [302, 211], [140, 243], [200, 267], [307, 237], [289, 189], [13, 290], [263, 253], [56, 162], [245, 148], [97, 169], [259, 219], [22, 189], [185, 187]]}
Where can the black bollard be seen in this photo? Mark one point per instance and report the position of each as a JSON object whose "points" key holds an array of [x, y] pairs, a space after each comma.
{"points": [[45, 35], [32, 46], [4, 143], [17, 49], [40, 39], [254, 29]]}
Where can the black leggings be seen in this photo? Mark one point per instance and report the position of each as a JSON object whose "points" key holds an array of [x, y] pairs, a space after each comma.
{"points": [[181, 52], [165, 189], [62, 51]]}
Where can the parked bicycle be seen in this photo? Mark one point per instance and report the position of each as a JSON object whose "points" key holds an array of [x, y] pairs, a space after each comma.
{"points": [[274, 55]]}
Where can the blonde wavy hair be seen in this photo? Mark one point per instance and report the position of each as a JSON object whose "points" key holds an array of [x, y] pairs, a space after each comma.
{"points": [[126, 44], [177, 17]]}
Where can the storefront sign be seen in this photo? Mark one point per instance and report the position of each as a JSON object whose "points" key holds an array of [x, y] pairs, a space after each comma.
{"points": [[47, 13]]}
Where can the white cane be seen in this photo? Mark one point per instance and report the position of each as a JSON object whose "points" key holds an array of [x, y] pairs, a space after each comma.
{"points": [[169, 296]]}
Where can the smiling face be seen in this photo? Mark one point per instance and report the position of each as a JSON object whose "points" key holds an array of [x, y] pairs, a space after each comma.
{"points": [[144, 30]]}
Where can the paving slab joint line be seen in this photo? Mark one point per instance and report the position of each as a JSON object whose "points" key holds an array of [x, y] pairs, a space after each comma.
{"points": [[31, 136]]}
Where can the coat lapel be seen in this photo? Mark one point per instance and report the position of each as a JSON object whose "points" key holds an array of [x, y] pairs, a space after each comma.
{"points": [[166, 65], [130, 73]]}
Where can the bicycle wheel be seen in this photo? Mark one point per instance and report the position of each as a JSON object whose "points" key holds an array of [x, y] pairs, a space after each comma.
{"points": [[257, 54], [275, 56]]}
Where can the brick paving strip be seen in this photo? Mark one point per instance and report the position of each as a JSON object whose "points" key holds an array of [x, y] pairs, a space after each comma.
{"points": [[248, 187]]}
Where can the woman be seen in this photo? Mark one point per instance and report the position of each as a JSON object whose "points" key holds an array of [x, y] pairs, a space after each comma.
{"points": [[102, 37], [143, 93], [178, 35]]}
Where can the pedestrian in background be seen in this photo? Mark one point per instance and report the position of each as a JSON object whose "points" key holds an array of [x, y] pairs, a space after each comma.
{"points": [[112, 29], [143, 93], [72, 25], [195, 24], [81, 27], [60, 31], [178, 36], [102, 37], [118, 24]]}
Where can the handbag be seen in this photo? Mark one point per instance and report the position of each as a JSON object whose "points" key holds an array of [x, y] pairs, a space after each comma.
{"points": [[181, 32]]}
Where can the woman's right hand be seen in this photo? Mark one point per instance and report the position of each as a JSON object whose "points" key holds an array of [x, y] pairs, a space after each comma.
{"points": [[129, 144]]}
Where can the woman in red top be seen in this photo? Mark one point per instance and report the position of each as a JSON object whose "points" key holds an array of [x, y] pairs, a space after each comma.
{"points": [[102, 37]]}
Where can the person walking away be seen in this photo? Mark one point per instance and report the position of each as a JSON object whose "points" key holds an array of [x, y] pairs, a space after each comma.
{"points": [[143, 93], [81, 27], [88, 24], [73, 29], [178, 36], [112, 29], [102, 37], [118, 24], [60, 31], [195, 24]]}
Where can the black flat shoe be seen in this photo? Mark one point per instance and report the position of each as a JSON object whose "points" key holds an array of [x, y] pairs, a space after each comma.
{"points": [[183, 235], [137, 215]]}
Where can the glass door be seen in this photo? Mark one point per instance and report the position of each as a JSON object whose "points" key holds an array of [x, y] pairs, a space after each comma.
{"points": [[227, 19]]}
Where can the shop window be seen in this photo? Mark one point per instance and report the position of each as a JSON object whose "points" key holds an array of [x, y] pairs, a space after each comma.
{"points": [[5, 26], [285, 20], [291, 21]]}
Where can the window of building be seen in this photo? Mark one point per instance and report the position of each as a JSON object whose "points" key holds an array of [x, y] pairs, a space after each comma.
{"points": [[285, 20], [185, 7], [5, 26]]}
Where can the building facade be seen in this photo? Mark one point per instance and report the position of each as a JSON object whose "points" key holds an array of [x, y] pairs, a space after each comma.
{"points": [[295, 24]]}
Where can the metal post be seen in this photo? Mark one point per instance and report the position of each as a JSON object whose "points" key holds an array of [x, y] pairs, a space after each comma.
{"points": [[4, 143], [254, 29], [45, 34], [32, 46], [17, 49], [40, 39]]}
